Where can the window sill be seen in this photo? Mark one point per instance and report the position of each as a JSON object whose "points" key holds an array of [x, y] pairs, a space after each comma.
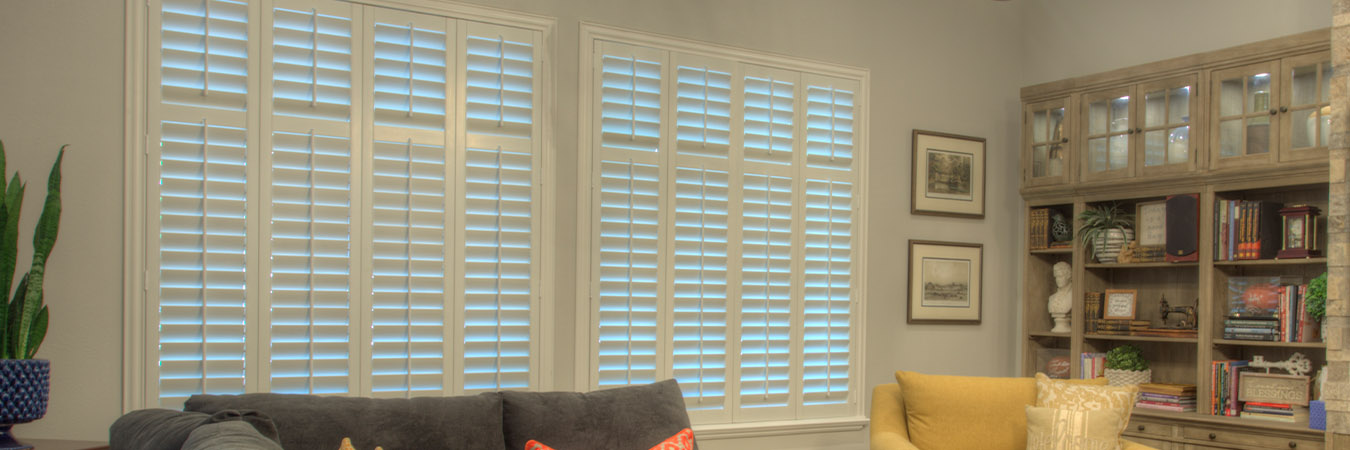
{"points": [[711, 432]]}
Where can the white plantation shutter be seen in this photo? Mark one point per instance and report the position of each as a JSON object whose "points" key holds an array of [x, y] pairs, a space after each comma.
{"points": [[500, 274], [723, 219], [346, 200]]}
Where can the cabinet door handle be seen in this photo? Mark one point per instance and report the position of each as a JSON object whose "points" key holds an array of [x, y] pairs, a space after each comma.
{"points": [[1293, 444], [1141, 428], [1284, 109], [1138, 130], [1064, 141], [1213, 436], [1129, 131], [1273, 111]]}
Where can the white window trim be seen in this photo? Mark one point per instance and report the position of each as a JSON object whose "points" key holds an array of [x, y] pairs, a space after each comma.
{"points": [[590, 34], [135, 273]]}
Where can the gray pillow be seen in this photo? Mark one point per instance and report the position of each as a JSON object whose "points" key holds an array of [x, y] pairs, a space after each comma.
{"points": [[231, 435], [153, 429], [628, 418], [307, 422]]}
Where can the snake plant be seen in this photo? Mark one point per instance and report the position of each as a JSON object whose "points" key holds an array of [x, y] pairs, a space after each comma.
{"points": [[23, 320]]}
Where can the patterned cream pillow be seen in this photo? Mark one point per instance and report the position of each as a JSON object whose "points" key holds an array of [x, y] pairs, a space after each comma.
{"points": [[1060, 394], [1069, 429]]}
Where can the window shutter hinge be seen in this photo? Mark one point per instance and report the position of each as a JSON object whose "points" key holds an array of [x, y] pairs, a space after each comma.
{"points": [[145, 143]]}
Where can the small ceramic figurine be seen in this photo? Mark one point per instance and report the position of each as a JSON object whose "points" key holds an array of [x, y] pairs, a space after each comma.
{"points": [[1061, 302]]}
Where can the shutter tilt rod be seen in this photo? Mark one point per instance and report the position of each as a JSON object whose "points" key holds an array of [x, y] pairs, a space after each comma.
{"points": [[411, 57], [206, 47], [314, 60], [501, 83]]}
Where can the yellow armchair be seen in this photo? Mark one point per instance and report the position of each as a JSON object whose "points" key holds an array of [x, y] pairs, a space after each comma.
{"points": [[888, 428]]}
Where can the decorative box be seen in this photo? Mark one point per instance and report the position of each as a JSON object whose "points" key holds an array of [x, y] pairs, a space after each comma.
{"points": [[1317, 415]]}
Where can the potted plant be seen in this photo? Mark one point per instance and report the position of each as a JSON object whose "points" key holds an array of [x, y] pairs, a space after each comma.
{"points": [[1315, 301], [1125, 365], [24, 381], [1104, 229]]}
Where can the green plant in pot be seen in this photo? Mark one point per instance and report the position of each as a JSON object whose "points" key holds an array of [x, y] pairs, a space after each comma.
{"points": [[1315, 300], [1125, 365], [1104, 230], [24, 381]]}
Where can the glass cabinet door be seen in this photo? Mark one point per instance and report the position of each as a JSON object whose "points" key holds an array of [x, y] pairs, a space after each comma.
{"points": [[1106, 152], [1305, 117], [1046, 142], [1163, 135], [1243, 107]]}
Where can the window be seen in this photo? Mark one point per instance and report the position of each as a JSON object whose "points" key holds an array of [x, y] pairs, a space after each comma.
{"points": [[722, 236], [342, 199]]}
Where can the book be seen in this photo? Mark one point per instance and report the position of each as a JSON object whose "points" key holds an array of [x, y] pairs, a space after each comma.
{"points": [[1167, 388], [1236, 330], [1040, 229], [1253, 297], [1261, 225], [1092, 309], [1173, 408], [1271, 417], [1251, 337]]}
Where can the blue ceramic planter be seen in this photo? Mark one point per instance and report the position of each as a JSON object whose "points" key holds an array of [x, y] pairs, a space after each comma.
{"points": [[24, 384]]}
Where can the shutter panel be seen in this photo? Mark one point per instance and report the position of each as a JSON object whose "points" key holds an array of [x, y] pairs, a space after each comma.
{"points": [[699, 299], [312, 64], [204, 53], [702, 112], [770, 98], [310, 292], [203, 260], [409, 196], [499, 209], [829, 128], [766, 292], [827, 292], [628, 273], [630, 101]]}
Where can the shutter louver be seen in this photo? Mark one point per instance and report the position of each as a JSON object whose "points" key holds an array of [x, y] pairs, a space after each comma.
{"points": [[829, 128], [703, 112], [410, 76], [499, 96], [628, 273], [630, 103], [204, 53], [311, 65], [310, 258], [827, 299], [769, 122], [699, 340], [766, 292], [408, 263], [203, 260]]}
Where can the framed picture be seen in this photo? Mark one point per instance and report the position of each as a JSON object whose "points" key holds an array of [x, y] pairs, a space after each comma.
{"points": [[1120, 304], [1150, 220], [948, 175], [945, 282]]}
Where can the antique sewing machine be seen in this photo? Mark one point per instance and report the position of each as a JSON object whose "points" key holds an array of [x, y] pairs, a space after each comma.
{"points": [[1188, 319]]}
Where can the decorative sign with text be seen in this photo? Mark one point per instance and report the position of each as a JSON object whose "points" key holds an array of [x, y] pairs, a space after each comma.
{"points": [[1273, 388]]}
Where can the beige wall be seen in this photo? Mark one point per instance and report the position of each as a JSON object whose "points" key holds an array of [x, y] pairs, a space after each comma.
{"points": [[1068, 38]]}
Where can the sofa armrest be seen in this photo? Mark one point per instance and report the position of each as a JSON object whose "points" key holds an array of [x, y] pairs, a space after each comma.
{"points": [[888, 430]]}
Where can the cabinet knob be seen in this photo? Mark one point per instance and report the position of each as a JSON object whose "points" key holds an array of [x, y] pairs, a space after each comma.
{"points": [[1284, 109], [1138, 130], [1273, 111], [1141, 428], [1293, 444], [1064, 141], [1129, 131], [1213, 436]]}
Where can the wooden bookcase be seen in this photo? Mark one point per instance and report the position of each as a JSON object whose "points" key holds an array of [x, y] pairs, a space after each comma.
{"points": [[1203, 284]]}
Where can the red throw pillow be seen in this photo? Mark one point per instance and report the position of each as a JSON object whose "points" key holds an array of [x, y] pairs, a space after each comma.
{"points": [[684, 440]]}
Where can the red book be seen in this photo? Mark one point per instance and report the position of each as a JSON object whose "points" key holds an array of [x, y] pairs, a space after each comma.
{"points": [[1270, 405]]}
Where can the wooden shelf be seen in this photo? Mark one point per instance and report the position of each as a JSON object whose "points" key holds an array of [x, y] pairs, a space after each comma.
{"points": [[1313, 345], [1274, 262], [1297, 427], [1153, 265], [1053, 251], [1048, 334], [1117, 337]]}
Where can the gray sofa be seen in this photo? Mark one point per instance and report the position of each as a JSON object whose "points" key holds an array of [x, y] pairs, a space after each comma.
{"points": [[629, 418]]}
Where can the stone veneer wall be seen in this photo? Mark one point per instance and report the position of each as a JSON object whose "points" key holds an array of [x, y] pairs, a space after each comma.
{"points": [[1337, 389]]}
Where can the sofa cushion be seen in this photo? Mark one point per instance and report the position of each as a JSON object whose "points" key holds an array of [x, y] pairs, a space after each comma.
{"points": [[942, 410], [627, 418], [164, 429], [307, 422], [1068, 429], [232, 435], [1055, 394]]}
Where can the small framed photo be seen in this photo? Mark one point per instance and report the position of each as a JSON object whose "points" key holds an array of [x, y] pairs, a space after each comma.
{"points": [[948, 175], [1120, 304], [945, 282], [1151, 224]]}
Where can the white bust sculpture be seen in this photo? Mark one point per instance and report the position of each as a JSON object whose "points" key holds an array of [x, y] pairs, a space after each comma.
{"points": [[1061, 302]]}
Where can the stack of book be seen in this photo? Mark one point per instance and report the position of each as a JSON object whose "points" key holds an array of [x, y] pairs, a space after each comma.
{"points": [[1040, 229], [1093, 365], [1246, 229], [1268, 309], [1119, 326], [1092, 309], [1223, 384], [1167, 397], [1278, 412]]}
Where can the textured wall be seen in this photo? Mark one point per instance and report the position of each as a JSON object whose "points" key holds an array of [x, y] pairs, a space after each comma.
{"points": [[1337, 390]]}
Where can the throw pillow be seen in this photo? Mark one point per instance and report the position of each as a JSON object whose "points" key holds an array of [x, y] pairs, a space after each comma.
{"points": [[626, 418], [347, 445], [1069, 429], [1058, 394], [941, 410], [229, 435], [684, 440]]}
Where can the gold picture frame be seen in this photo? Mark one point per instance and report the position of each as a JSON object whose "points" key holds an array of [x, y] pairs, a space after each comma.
{"points": [[1120, 304]]}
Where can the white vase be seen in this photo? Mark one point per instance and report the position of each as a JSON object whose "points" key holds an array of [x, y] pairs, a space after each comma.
{"points": [[1108, 244], [1117, 377]]}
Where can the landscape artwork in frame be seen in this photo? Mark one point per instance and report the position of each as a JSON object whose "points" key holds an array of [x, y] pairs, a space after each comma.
{"points": [[945, 282], [948, 175]]}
